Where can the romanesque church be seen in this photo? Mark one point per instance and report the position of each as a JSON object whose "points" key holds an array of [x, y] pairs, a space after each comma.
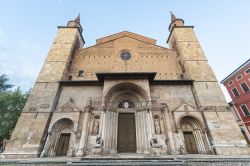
{"points": [[125, 94]]}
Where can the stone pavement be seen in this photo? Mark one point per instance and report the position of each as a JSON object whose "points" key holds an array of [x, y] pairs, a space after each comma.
{"points": [[134, 159]]}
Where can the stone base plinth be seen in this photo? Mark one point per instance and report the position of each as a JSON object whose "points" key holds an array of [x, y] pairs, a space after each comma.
{"points": [[220, 150]]}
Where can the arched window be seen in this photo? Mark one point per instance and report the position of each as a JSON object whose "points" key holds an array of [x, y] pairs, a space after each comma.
{"points": [[126, 104]]}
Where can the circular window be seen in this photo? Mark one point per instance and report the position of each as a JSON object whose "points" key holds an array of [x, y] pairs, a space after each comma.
{"points": [[126, 104], [156, 116], [125, 55]]}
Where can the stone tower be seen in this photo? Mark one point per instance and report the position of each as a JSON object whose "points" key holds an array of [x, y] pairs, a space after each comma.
{"points": [[29, 134], [208, 95]]}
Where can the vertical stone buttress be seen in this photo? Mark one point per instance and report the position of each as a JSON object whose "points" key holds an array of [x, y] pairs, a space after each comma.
{"points": [[225, 134], [28, 138]]}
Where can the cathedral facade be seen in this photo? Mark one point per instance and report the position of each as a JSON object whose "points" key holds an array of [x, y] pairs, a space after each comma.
{"points": [[125, 94]]}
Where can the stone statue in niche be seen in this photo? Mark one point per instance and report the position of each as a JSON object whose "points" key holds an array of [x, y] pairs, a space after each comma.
{"points": [[75, 127], [96, 127], [157, 125], [89, 102], [88, 105], [186, 108]]}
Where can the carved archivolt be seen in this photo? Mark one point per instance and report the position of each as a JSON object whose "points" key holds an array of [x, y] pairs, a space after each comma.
{"points": [[192, 118], [115, 85]]}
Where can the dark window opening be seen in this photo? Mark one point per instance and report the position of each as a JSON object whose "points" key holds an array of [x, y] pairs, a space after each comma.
{"points": [[235, 92], [70, 78], [247, 71], [126, 104], [156, 116], [239, 77], [80, 73], [125, 55], [244, 87], [230, 83], [245, 110]]}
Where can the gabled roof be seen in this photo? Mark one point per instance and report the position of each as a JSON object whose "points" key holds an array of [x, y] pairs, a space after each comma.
{"points": [[235, 71], [125, 34]]}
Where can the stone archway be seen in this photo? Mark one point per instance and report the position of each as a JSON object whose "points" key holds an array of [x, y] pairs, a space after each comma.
{"points": [[193, 135], [138, 100], [60, 140]]}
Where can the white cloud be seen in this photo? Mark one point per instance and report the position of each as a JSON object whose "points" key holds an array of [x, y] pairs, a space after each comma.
{"points": [[1, 33], [20, 61], [27, 44]]}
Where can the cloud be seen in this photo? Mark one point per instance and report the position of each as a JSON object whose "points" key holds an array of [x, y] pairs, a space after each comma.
{"points": [[1, 33], [20, 61], [27, 44]]}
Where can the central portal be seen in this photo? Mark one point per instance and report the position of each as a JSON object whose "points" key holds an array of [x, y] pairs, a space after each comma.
{"points": [[126, 133]]}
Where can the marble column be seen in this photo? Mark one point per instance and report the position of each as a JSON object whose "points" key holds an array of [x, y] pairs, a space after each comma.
{"points": [[169, 132], [143, 132], [210, 148], [105, 131], [114, 131], [110, 129], [182, 142], [83, 140], [102, 124], [150, 120], [138, 132], [47, 145], [146, 132]]}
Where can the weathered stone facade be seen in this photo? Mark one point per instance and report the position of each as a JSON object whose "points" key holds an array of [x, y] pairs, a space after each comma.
{"points": [[156, 100]]}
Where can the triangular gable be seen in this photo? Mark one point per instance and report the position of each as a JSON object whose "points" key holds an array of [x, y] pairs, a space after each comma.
{"points": [[125, 34], [68, 107], [185, 107]]}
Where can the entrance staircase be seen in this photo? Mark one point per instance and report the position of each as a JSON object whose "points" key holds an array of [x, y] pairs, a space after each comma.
{"points": [[133, 159], [128, 161]]}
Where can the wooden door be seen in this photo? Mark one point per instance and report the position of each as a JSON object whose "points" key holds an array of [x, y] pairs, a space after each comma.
{"points": [[63, 144], [190, 142], [126, 133]]}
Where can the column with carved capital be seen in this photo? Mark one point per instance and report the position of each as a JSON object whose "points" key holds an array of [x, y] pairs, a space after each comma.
{"points": [[169, 131], [83, 140], [103, 122], [150, 122]]}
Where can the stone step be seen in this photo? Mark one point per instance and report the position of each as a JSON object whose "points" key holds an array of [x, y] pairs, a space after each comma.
{"points": [[132, 160], [126, 161], [128, 158]]}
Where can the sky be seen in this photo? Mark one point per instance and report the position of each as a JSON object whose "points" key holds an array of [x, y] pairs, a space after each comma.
{"points": [[27, 29]]}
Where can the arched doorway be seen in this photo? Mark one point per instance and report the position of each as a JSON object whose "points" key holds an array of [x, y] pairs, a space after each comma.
{"points": [[126, 122], [190, 142], [60, 139], [193, 135]]}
